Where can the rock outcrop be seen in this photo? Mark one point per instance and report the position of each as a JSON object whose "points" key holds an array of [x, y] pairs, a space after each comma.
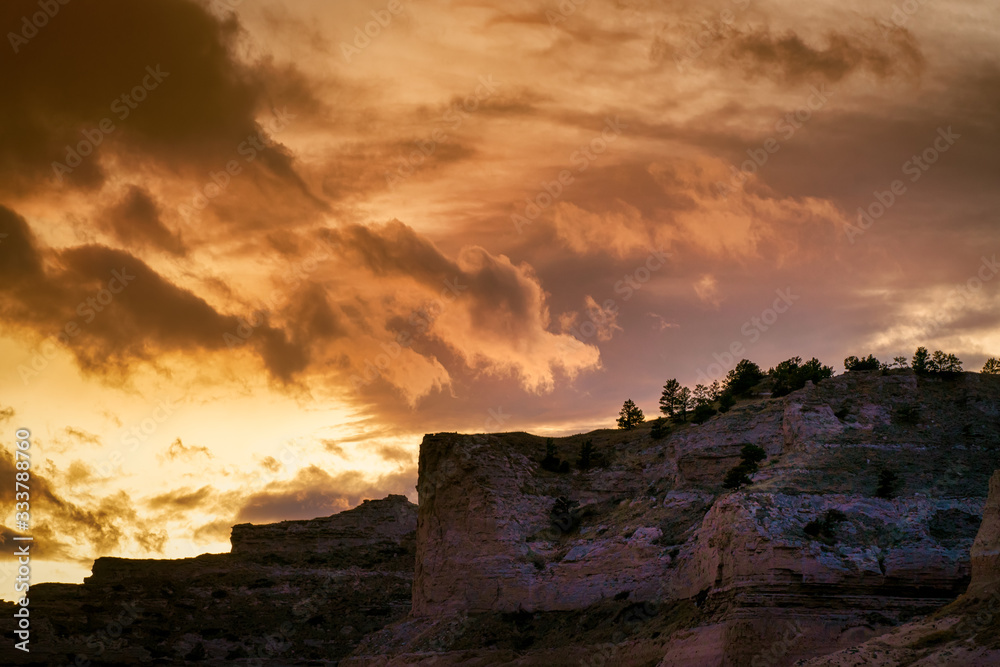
{"points": [[292, 593], [965, 633], [806, 561]]}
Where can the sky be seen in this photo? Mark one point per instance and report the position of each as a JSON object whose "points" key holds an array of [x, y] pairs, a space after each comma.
{"points": [[251, 251]]}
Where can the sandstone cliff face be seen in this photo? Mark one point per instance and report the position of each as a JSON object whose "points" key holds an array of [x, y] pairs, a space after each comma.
{"points": [[655, 526], [293, 593], [965, 633], [986, 549]]}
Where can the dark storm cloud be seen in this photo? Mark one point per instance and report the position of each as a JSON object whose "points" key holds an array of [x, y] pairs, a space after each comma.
{"points": [[122, 310], [181, 499], [135, 220], [788, 57], [197, 101]]}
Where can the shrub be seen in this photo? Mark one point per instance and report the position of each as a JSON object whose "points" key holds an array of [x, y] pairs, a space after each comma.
{"points": [[744, 377], [586, 450], [726, 401], [825, 529], [630, 416], [992, 366], [551, 462], [702, 413], [738, 477], [908, 414], [750, 456], [869, 363], [659, 429], [888, 483], [791, 375]]}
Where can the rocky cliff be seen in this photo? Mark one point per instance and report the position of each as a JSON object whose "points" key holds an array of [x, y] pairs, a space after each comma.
{"points": [[292, 593], [805, 561]]}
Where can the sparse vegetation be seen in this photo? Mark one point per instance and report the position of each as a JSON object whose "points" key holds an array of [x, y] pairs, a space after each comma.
{"points": [[744, 377], [659, 429], [750, 456], [825, 529], [586, 450], [939, 362], [726, 401], [702, 413], [551, 462], [630, 416], [888, 484], [908, 414], [791, 375], [869, 363], [992, 366]]}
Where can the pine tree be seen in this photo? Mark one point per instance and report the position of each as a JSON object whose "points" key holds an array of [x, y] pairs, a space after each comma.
{"points": [[630, 416], [668, 399]]}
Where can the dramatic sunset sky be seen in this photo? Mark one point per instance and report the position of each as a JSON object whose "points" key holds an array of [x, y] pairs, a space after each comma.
{"points": [[250, 254]]}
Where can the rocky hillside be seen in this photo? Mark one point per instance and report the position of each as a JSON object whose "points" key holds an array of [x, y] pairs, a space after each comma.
{"points": [[291, 593], [655, 562], [855, 543]]}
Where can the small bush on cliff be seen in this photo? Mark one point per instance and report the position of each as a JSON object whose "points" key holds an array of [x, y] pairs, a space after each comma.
{"points": [[551, 462], [908, 414], [630, 416], [888, 484], [702, 413], [659, 429], [825, 529], [750, 456], [586, 450], [726, 401]]}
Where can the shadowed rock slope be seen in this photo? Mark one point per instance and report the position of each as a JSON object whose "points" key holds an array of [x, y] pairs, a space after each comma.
{"points": [[290, 593]]}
